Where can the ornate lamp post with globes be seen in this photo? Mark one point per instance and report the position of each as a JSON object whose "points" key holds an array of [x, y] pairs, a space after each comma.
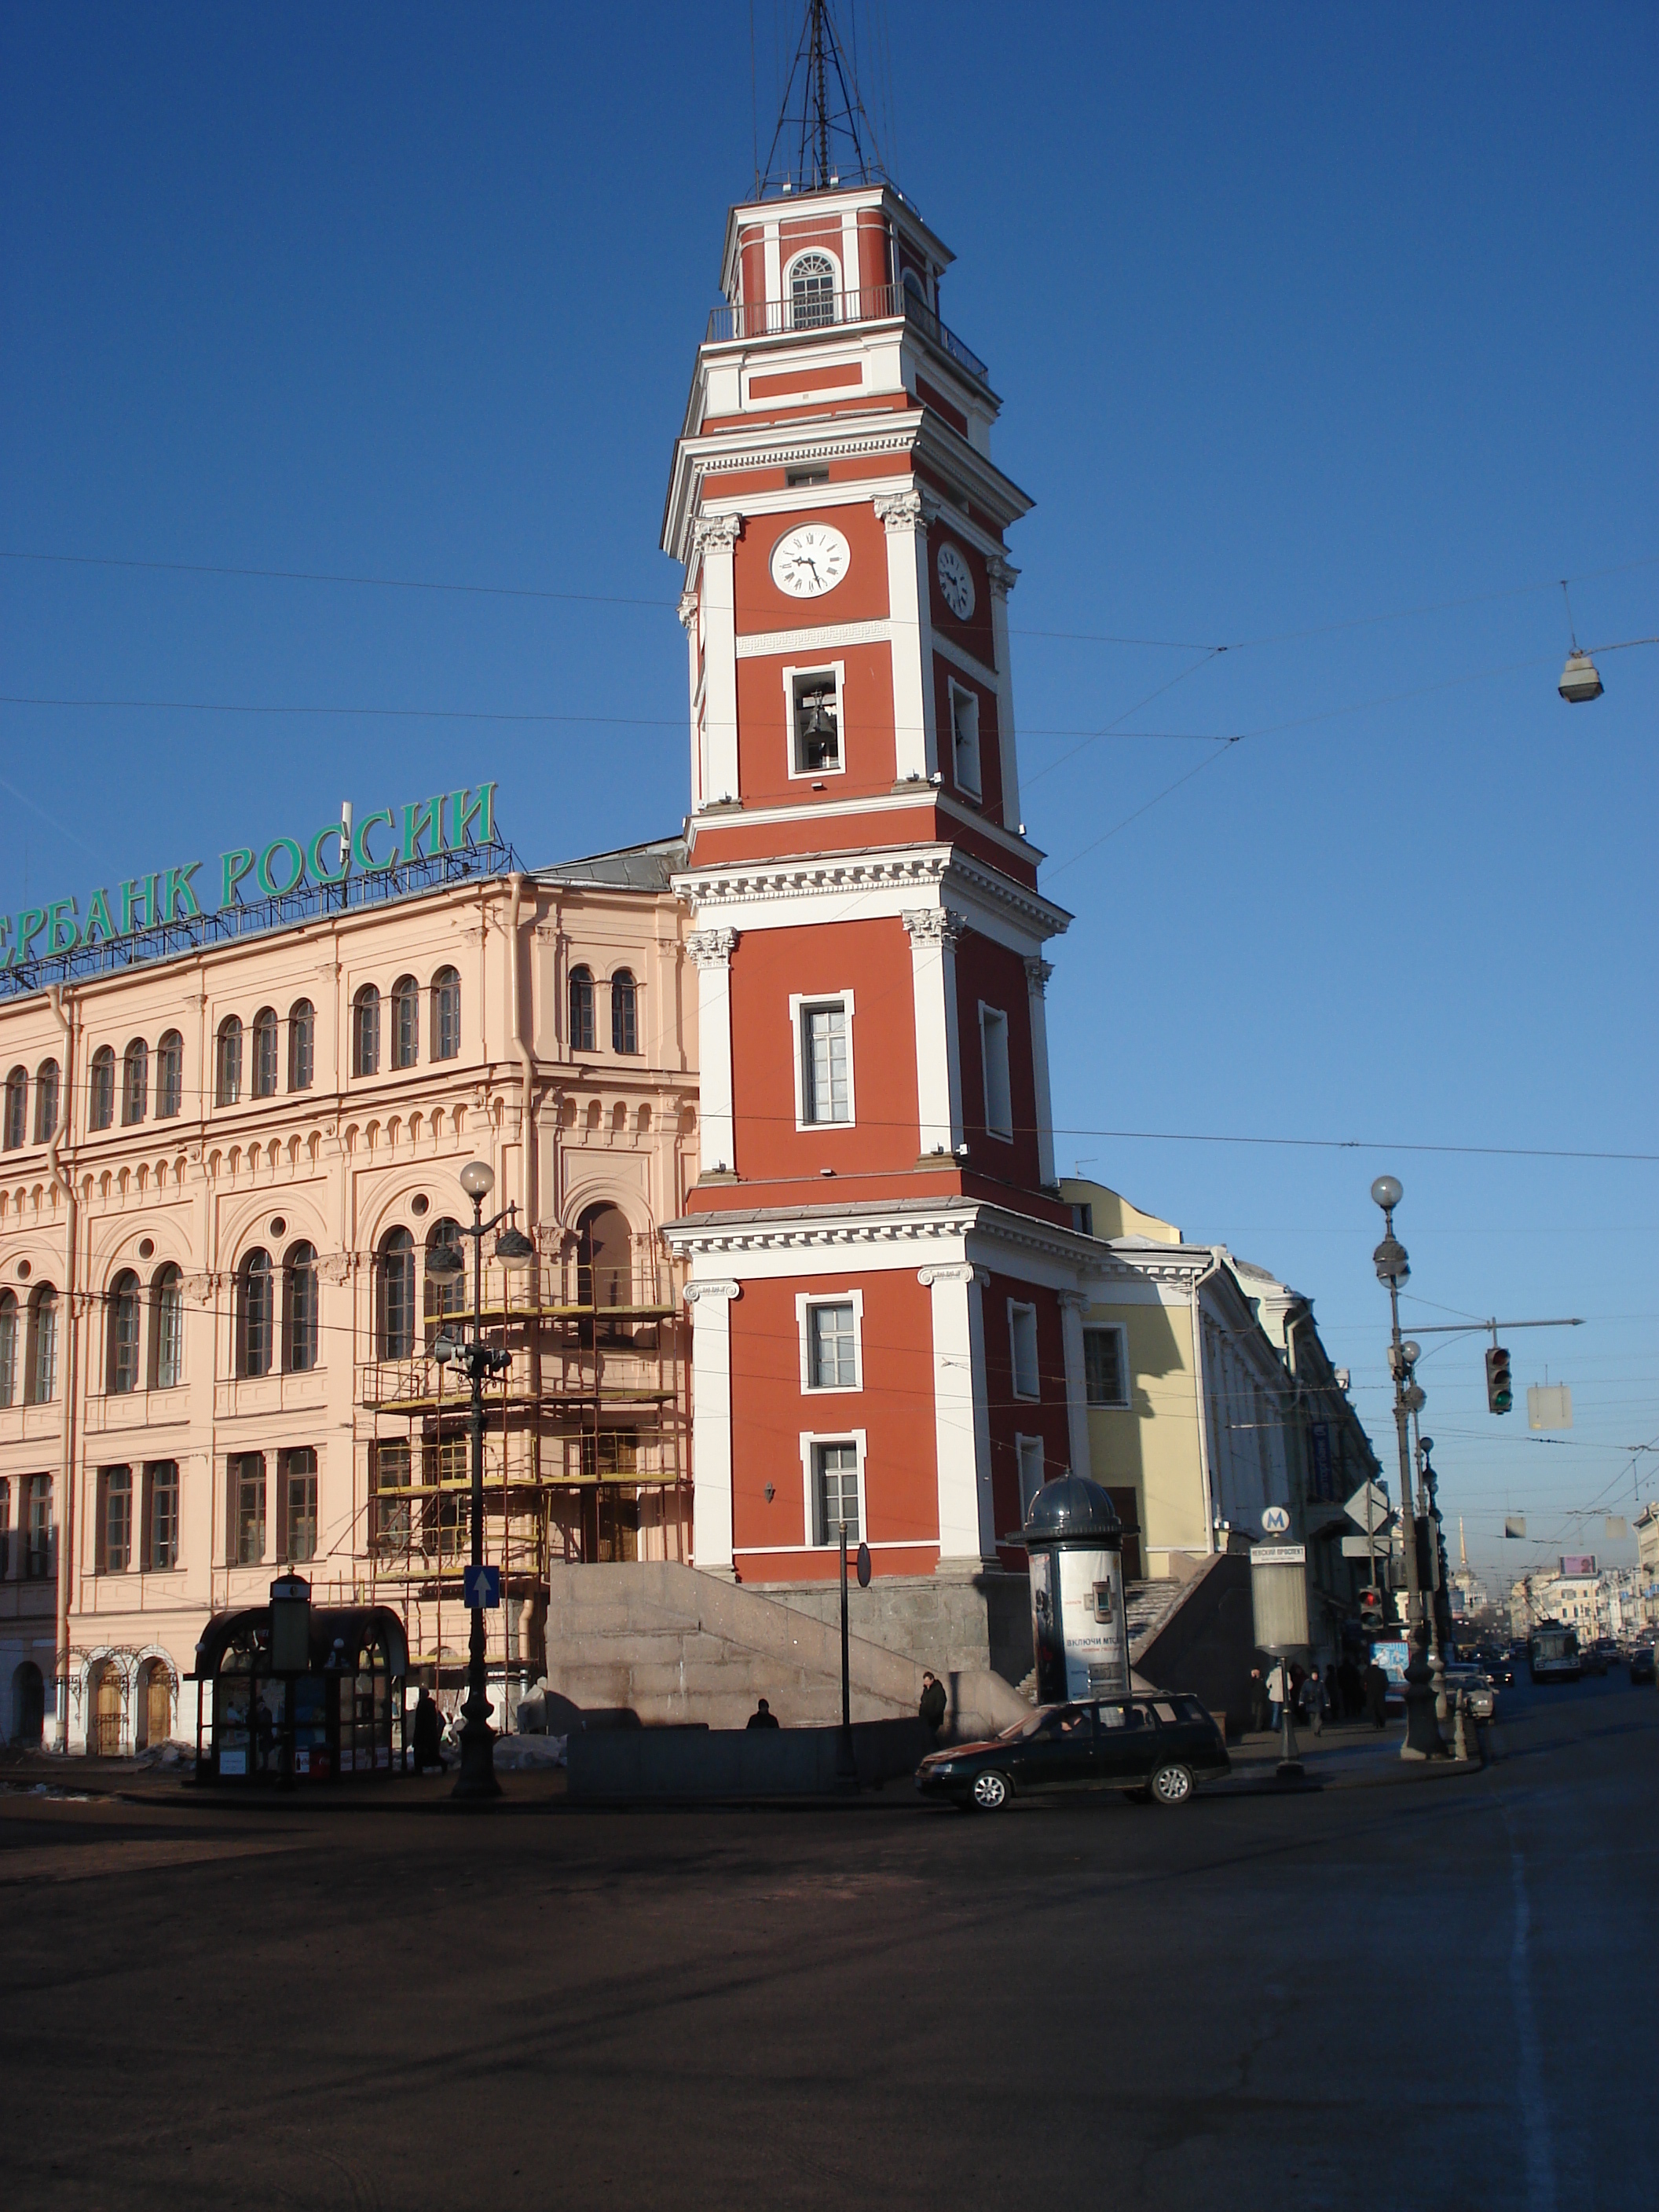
{"points": [[477, 1360], [1422, 1731]]}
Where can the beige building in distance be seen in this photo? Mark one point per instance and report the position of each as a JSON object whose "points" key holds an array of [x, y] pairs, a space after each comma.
{"points": [[223, 1162]]}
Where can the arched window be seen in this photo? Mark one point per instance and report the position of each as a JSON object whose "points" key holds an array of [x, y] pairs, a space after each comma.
{"points": [[135, 1083], [604, 1258], [366, 1031], [169, 1076], [7, 1347], [168, 1327], [229, 1085], [624, 1014], [18, 1108], [811, 292], [582, 1036], [46, 1101], [447, 1294], [102, 1108], [405, 1021], [264, 1053], [396, 1301], [447, 1014], [301, 1045], [43, 1347], [122, 1368], [300, 1309], [253, 1314]]}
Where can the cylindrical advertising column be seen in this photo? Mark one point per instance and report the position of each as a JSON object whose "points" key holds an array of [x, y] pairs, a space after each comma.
{"points": [[1075, 1543]]}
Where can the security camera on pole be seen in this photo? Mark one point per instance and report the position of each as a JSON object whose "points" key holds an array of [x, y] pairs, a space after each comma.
{"points": [[1423, 1739]]}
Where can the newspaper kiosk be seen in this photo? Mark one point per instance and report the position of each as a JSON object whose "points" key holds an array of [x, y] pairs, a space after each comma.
{"points": [[298, 1693]]}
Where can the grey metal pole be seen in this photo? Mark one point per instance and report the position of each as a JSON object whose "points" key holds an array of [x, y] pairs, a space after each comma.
{"points": [[846, 1765]]}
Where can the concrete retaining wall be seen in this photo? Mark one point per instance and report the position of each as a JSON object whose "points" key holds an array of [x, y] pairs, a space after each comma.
{"points": [[948, 1622], [681, 1764], [663, 1641], [1205, 1642]]}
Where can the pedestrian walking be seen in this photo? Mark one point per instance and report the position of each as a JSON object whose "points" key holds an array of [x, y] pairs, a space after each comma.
{"points": [[1313, 1695], [1376, 1695], [1258, 1700], [425, 1733], [763, 1717], [1275, 1693], [930, 1710]]}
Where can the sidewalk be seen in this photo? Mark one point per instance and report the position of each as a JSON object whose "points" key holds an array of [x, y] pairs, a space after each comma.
{"points": [[1352, 1756]]}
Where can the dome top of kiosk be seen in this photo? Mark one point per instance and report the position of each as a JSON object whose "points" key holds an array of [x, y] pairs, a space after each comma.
{"points": [[1073, 1510]]}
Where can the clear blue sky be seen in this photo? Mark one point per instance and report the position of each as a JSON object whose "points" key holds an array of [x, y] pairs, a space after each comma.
{"points": [[1303, 317]]}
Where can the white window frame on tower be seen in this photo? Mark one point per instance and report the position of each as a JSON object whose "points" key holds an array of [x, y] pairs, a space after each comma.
{"points": [[802, 1003], [810, 1439], [1023, 1317], [1031, 1457], [993, 1043], [837, 671], [806, 1303], [965, 741], [787, 299]]}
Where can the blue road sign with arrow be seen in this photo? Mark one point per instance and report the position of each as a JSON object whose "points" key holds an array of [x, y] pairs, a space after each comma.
{"points": [[482, 1588]]}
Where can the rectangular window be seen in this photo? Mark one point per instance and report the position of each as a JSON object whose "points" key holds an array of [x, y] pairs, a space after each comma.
{"points": [[814, 705], [964, 734], [247, 1508], [297, 1536], [993, 1051], [826, 1085], [832, 1346], [1104, 1368], [796, 478], [1083, 1219], [835, 1491], [1023, 1339], [611, 1455], [114, 1520], [443, 1526], [1029, 1449], [389, 1509], [36, 1551], [162, 1515]]}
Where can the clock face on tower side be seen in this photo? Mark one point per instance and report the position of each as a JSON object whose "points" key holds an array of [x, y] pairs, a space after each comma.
{"points": [[809, 561], [955, 581]]}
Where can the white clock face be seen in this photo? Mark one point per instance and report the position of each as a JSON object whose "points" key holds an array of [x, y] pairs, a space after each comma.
{"points": [[955, 581], [809, 561]]}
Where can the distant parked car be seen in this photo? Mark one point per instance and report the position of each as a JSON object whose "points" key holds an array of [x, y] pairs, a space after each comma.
{"points": [[1641, 1664], [1593, 1657], [1470, 1684], [1157, 1747], [1499, 1672]]}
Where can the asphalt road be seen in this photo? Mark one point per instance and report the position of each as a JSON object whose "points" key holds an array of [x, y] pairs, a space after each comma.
{"points": [[1439, 1993]]}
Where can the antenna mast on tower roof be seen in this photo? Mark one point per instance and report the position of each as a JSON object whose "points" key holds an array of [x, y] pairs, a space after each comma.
{"points": [[823, 137]]}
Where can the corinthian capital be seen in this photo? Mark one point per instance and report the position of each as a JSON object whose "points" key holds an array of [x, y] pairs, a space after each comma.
{"points": [[1003, 575], [716, 533], [933, 925], [687, 608], [711, 948], [1037, 973], [905, 510]]}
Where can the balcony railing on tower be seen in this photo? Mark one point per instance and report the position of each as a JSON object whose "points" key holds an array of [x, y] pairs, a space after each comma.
{"points": [[816, 310]]}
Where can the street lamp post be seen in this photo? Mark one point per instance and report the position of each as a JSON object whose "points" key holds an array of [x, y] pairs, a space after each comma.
{"points": [[477, 1360], [1394, 1268]]}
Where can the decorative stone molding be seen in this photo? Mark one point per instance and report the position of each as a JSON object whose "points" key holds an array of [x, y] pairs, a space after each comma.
{"points": [[1074, 1301], [693, 1291], [711, 948], [716, 533], [905, 510], [336, 1267], [688, 609], [933, 925], [1002, 575], [743, 457], [1037, 973], [200, 1290], [956, 1270], [927, 869]]}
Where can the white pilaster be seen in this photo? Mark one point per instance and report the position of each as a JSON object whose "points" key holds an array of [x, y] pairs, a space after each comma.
{"points": [[716, 536], [699, 763], [1037, 973], [1002, 575], [1072, 1305], [962, 1420], [906, 514], [933, 933], [711, 1384], [711, 950]]}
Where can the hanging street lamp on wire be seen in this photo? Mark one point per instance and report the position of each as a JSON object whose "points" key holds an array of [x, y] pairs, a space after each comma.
{"points": [[477, 1361], [1581, 681]]}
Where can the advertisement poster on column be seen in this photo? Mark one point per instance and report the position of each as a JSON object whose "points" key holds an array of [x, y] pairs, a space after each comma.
{"points": [[1092, 1624]]}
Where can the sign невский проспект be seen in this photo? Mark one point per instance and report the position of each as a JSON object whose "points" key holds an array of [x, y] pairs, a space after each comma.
{"points": [[430, 828]]}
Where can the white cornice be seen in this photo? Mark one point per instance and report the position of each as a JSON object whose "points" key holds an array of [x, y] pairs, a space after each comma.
{"points": [[944, 870], [899, 1228]]}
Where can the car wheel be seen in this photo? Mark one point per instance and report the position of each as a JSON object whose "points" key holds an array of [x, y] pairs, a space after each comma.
{"points": [[1172, 1784], [991, 1790]]}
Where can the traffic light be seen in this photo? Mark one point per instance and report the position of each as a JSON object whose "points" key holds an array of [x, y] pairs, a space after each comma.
{"points": [[1370, 1611], [1500, 1392]]}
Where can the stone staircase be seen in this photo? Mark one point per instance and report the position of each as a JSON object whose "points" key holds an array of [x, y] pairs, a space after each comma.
{"points": [[1147, 1605]]}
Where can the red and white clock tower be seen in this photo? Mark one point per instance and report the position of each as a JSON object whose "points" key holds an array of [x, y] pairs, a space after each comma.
{"points": [[884, 1281]]}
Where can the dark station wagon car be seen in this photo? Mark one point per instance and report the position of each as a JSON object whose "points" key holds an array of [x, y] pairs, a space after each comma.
{"points": [[1155, 1747]]}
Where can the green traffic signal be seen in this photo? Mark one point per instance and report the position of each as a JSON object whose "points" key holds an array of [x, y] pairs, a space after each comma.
{"points": [[1500, 1391]]}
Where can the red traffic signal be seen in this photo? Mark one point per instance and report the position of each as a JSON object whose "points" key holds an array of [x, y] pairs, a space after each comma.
{"points": [[1500, 1391], [1371, 1610]]}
